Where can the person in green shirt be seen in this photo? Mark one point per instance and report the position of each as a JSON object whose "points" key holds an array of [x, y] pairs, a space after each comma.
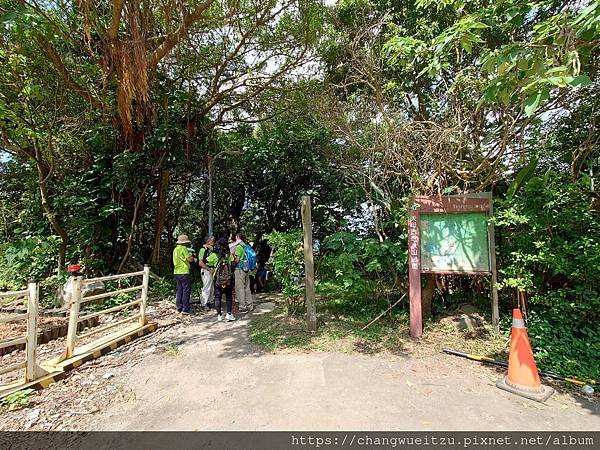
{"points": [[243, 294], [181, 262]]}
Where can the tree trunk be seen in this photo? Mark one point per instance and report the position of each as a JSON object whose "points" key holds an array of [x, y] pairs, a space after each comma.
{"points": [[170, 244], [161, 215], [134, 222], [427, 296], [43, 173]]}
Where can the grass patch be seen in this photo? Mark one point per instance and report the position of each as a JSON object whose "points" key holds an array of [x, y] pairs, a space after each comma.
{"points": [[340, 330], [336, 331], [16, 400], [171, 349], [444, 332]]}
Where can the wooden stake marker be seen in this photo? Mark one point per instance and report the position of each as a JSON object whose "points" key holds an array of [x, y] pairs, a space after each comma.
{"points": [[309, 270]]}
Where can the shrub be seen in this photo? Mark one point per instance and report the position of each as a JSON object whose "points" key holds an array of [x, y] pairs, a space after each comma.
{"points": [[32, 257], [549, 247], [287, 263]]}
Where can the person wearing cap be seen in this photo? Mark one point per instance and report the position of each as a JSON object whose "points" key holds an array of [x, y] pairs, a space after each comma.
{"points": [[181, 262]]}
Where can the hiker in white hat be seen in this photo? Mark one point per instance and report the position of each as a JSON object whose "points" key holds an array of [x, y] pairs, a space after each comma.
{"points": [[181, 262]]}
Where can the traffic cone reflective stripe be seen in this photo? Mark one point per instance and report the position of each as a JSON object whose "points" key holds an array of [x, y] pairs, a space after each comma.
{"points": [[518, 323], [523, 377]]}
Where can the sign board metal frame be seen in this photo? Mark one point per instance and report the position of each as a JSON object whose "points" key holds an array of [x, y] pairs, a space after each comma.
{"points": [[445, 205]]}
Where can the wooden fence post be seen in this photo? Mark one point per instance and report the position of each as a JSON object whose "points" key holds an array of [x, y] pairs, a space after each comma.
{"points": [[145, 282], [494, 282], [73, 315], [31, 343], [309, 271]]}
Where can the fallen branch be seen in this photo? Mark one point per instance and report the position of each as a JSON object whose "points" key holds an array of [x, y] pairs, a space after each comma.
{"points": [[94, 411], [382, 314]]}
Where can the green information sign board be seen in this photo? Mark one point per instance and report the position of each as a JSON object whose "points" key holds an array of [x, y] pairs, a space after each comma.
{"points": [[454, 242]]}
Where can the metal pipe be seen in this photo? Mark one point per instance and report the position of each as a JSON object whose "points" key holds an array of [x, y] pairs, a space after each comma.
{"points": [[210, 195], [210, 166]]}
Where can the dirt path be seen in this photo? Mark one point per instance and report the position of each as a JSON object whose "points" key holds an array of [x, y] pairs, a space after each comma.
{"points": [[217, 380]]}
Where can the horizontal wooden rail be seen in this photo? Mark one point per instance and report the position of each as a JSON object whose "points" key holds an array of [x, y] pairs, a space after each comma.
{"points": [[113, 309], [109, 326], [17, 318], [114, 277], [17, 366], [10, 342], [109, 294], [11, 294]]}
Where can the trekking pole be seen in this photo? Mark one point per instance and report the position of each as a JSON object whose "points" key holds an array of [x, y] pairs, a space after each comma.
{"points": [[476, 357], [500, 363]]}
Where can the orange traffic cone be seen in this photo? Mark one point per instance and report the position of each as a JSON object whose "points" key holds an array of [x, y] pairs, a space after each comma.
{"points": [[523, 378]]}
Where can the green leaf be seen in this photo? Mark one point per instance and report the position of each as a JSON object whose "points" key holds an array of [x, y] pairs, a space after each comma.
{"points": [[581, 81], [450, 190], [8, 16], [525, 174], [532, 103], [585, 13]]}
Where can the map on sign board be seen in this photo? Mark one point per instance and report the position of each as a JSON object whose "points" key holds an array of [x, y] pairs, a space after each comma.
{"points": [[454, 242]]}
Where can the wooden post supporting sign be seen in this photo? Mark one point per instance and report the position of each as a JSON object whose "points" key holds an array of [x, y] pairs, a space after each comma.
{"points": [[309, 272], [414, 272], [494, 281]]}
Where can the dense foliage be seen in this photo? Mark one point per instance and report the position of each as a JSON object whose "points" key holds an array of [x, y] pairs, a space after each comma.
{"points": [[287, 263], [549, 248], [114, 116]]}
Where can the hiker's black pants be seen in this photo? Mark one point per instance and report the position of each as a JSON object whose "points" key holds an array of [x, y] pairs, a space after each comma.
{"points": [[182, 295], [219, 291]]}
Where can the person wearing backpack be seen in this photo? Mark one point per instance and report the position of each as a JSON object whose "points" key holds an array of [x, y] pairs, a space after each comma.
{"points": [[244, 261], [220, 261], [206, 271]]}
